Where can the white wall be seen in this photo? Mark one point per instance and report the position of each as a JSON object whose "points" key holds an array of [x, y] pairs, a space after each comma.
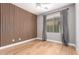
{"points": [[39, 26], [71, 24], [77, 26], [57, 36]]}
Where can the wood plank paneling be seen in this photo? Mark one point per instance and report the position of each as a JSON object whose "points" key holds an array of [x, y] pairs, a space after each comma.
{"points": [[5, 24], [16, 23], [12, 16]]}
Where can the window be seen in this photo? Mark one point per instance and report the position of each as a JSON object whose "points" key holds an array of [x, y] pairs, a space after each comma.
{"points": [[53, 22]]}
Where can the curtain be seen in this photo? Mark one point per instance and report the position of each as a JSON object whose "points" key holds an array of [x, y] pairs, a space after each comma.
{"points": [[44, 36], [64, 21]]}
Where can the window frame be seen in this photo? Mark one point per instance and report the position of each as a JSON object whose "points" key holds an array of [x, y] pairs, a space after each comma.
{"points": [[53, 25]]}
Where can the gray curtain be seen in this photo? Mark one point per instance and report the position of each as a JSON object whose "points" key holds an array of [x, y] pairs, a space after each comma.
{"points": [[65, 32], [44, 36]]}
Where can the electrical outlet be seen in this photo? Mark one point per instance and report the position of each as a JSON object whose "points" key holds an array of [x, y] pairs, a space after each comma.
{"points": [[13, 40], [19, 38]]}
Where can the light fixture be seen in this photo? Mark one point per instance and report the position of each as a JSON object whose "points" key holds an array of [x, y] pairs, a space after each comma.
{"points": [[38, 5], [41, 6]]}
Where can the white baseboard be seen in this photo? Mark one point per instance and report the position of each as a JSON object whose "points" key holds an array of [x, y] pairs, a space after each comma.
{"points": [[26, 41], [14, 44], [70, 44], [77, 50], [39, 38]]}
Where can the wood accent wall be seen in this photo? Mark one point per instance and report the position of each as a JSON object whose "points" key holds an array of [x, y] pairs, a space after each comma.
{"points": [[16, 23]]}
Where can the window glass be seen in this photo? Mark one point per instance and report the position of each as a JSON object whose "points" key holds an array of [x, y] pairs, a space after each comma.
{"points": [[53, 22]]}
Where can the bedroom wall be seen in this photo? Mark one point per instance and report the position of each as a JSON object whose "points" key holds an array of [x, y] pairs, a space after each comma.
{"points": [[77, 27], [0, 25], [57, 36], [16, 24]]}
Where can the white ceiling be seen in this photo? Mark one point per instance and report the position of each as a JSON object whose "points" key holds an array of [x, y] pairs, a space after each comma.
{"points": [[31, 7]]}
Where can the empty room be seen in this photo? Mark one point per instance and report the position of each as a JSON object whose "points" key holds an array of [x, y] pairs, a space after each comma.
{"points": [[39, 29]]}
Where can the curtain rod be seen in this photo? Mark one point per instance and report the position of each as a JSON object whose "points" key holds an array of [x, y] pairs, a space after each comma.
{"points": [[57, 11]]}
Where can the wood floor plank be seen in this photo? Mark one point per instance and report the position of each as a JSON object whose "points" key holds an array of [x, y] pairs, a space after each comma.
{"points": [[38, 47]]}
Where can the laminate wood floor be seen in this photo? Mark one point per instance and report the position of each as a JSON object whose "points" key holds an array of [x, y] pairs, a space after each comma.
{"points": [[39, 47]]}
